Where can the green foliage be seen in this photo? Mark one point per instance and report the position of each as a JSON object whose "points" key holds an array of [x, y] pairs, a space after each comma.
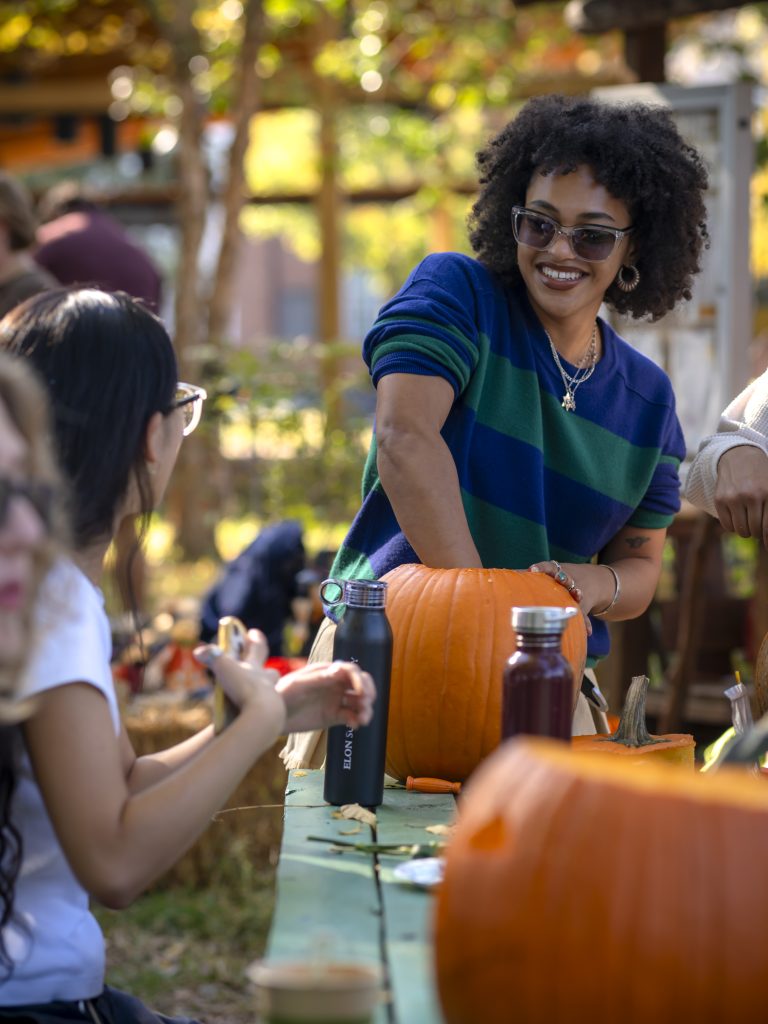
{"points": [[285, 461], [740, 556], [432, 54], [388, 240], [380, 147]]}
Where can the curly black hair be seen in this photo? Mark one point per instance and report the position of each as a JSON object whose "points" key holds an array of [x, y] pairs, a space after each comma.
{"points": [[636, 152]]}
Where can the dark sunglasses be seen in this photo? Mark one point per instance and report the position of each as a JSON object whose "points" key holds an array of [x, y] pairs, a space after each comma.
{"points": [[40, 496], [589, 242]]}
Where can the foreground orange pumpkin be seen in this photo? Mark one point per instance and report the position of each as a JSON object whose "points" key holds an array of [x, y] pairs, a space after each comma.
{"points": [[582, 891], [632, 741], [453, 633]]}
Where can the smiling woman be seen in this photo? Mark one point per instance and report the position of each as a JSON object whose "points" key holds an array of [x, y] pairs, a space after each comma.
{"points": [[514, 427]]}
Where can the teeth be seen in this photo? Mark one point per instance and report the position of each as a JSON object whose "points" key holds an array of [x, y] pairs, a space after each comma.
{"points": [[561, 275]]}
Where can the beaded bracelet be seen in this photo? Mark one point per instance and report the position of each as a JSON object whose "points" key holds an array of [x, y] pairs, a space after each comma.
{"points": [[617, 591]]}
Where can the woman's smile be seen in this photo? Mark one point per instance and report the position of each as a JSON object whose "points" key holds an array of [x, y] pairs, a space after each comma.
{"points": [[559, 277]]}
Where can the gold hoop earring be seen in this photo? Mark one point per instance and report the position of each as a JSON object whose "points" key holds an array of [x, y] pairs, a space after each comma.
{"points": [[628, 284]]}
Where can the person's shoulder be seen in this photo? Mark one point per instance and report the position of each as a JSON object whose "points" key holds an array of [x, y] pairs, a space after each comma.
{"points": [[639, 372], [67, 224], [70, 637], [455, 271], [67, 599]]}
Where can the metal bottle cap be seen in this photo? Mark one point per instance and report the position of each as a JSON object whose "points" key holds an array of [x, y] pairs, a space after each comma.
{"points": [[541, 619], [355, 593]]}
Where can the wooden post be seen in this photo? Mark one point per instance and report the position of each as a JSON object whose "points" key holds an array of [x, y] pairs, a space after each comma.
{"points": [[194, 527], [245, 103], [441, 235], [328, 206], [692, 600], [644, 50]]}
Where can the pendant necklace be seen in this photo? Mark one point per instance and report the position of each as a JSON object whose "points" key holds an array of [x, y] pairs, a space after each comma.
{"points": [[586, 367]]}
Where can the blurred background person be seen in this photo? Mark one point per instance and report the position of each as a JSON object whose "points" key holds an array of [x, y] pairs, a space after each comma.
{"points": [[79, 243], [729, 475], [20, 275], [259, 585]]}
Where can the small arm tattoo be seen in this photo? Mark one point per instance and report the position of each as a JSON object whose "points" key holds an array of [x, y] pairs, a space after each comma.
{"points": [[637, 542]]}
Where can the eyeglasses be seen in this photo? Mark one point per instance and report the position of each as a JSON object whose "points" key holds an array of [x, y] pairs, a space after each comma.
{"points": [[39, 495], [189, 398], [588, 241]]}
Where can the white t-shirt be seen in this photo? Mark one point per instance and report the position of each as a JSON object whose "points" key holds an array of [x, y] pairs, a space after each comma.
{"points": [[54, 941]]}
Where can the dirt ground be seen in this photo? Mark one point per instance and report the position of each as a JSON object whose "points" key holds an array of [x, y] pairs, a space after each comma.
{"points": [[185, 952]]}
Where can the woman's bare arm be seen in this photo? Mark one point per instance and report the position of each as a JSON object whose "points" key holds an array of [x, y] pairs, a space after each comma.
{"points": [[417, 469]]}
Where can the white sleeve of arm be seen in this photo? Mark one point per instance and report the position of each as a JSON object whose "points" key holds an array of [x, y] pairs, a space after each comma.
{"points": [[745, 421]]}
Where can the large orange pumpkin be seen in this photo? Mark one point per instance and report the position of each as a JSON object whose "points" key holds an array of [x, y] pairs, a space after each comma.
{"points": [[453, 633], [579, 890]]}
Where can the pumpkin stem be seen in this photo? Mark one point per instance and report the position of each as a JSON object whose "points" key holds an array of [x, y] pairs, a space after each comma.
{"points": [[632, 730]]}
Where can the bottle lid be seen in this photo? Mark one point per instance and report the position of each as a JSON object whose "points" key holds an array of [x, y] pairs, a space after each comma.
{"points": [[355, 593], [542, 619]]}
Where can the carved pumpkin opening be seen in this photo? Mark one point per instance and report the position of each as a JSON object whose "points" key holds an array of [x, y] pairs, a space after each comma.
{"points": [[492, 836]]}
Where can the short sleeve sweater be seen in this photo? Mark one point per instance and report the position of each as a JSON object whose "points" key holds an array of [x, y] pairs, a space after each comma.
{"points": [[537, 482], [55, 943]]}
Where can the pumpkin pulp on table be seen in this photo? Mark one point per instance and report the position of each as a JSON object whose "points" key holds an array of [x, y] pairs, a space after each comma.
{"points": [[632, 739]]}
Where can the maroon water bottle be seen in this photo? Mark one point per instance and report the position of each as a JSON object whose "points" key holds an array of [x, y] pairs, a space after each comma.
{"points": [[537, 688]]}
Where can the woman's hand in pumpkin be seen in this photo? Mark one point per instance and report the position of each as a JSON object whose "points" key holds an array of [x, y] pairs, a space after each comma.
{"points": [[586, 583], [327, 693], [563, 574]]}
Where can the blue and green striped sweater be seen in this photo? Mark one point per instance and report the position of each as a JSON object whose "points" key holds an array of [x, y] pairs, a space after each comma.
{"points": [[537, 482]]}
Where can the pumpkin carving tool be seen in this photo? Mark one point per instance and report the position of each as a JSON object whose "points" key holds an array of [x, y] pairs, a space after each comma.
{"points": [[424, 784], [741, 710], [742, 726]]}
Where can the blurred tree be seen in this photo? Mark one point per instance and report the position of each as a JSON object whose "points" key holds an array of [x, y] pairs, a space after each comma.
{"points": [[394, 88], [201, 305], [387, 102]]}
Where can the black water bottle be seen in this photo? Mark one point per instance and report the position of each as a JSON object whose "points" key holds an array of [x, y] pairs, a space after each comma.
{"points": [[354, 763]]}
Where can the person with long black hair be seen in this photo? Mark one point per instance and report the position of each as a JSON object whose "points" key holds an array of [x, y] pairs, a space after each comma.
{"points": [[94, 819]]}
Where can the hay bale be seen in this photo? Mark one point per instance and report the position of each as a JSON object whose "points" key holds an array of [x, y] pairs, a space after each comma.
{"points": [[239, 841]]}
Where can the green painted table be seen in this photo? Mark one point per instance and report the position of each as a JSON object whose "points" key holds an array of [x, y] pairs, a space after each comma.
{"points": [[350, 905]]}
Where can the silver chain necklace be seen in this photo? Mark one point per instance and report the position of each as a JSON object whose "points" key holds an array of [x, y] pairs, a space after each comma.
{"points": [[586, 367]]}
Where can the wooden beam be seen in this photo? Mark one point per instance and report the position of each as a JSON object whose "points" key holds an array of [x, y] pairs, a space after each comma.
{"points": [[644, 51], [631, 15], [31, 146], [380, 194], [56, 96]]}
